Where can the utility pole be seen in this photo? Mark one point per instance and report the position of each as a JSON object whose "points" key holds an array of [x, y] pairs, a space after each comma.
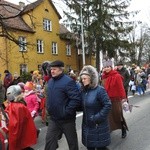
{"points": [[82, 38]]}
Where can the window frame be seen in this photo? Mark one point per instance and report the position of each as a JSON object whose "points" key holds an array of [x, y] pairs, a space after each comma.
{"points": [[40, 46], [54, 48], [22, 44], [47, 24], [23, 68], [68, 49]]}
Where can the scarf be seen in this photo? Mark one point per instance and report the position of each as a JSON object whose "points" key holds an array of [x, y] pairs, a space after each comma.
{"points": [[113, 83]]}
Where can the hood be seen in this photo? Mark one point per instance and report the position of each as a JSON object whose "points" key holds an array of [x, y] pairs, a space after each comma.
{"points": [[92, 72]]}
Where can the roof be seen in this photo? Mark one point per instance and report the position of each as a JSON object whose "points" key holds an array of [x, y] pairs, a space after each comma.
{"points": [[13, 19], [33, 5], [65, 33], [15, 13], [63, 29]]}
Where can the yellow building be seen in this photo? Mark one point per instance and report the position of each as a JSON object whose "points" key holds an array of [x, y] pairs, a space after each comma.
{"points": [[31, 35]]}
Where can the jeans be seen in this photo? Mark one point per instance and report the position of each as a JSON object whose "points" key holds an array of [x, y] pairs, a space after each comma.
{"points": [[139, 90]]}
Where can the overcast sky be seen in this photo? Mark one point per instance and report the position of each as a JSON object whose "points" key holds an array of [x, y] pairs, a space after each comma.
{"points": [[142, 5]]}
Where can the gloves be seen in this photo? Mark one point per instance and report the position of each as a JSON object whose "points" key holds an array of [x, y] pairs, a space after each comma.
{"points": [[33, 113]]}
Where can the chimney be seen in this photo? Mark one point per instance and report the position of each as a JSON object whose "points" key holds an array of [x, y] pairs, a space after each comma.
{"points": [[22, 5]]}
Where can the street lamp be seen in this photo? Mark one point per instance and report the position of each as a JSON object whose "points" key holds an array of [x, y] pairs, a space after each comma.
{"points": [[82, 38]]}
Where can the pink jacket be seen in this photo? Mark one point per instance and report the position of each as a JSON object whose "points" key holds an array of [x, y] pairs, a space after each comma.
{"points": [[32, 101]]}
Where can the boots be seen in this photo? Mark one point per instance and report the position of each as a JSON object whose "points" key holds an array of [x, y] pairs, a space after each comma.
{"points": [[38, 132], [124, 131]]}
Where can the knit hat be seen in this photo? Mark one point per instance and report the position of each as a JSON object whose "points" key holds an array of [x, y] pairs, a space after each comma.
{"points": [[57, 63], [107, 63], [29, 86]]}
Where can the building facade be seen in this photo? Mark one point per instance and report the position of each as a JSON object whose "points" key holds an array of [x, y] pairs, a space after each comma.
{"points": [[32, 34]]}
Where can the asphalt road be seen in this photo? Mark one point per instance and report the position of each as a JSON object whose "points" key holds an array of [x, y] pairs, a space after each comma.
{"points": [[138, 137]]}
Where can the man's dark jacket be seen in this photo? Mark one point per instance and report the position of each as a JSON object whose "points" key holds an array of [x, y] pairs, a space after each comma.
{"points": [[63, 98]]}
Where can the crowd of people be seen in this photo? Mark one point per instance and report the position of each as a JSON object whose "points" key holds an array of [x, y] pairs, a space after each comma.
{"points": [[57, 97]]}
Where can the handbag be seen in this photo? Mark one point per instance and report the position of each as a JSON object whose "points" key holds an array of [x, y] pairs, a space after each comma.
{"points": [[126, 107]]}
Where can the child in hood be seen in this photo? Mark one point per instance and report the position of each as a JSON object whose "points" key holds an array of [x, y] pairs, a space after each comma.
{"points": [[31, 99], [21, 128]]}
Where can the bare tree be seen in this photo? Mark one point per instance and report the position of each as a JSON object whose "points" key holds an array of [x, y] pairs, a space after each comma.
{"points": [[11, 21]]}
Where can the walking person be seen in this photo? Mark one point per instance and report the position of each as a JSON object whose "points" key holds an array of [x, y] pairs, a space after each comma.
{"points": [[132, 84], [126, 76], [37, 80], [21, 128], [96, 107], [2, 92], [148, 80], [45, 68], [139, 82], [7, 79], [148, 71], [16, 79], [112, 81], [31, 99], [63, 98]]}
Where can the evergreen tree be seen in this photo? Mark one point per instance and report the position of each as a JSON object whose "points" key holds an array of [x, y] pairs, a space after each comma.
{"points": [[106, 24]]}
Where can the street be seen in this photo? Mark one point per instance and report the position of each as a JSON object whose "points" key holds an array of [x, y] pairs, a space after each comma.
{"points": [[138, 122]]}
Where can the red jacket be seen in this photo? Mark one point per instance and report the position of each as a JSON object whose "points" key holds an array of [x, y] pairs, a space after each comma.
{"points": [[22, 130]]}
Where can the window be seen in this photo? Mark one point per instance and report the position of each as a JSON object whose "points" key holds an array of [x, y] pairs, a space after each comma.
{"points": [[23, 68], [68, 49], [47, 25], [54, 48], [22, 43], [40, 48]]}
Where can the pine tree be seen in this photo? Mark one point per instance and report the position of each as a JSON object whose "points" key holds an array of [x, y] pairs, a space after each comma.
{"points": [[106, 23]]}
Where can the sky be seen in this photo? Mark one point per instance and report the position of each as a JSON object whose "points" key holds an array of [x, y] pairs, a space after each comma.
{"points": [[142, 5]]}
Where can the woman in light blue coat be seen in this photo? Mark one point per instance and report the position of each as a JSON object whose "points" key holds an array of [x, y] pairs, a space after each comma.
{"points": [[96, 107]]}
